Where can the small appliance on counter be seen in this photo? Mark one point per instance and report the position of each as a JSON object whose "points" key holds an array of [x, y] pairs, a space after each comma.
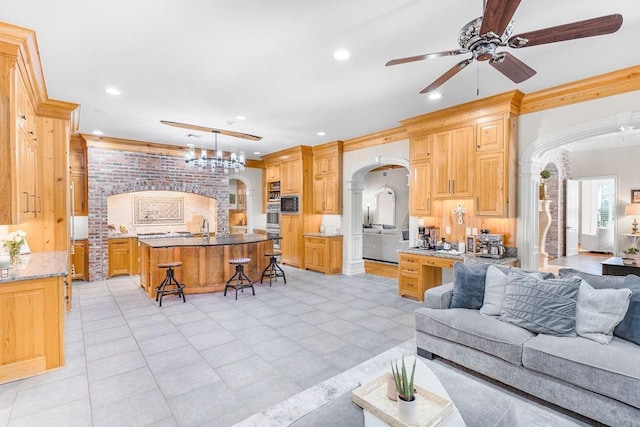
{"points": [[428, 237], [490, 245]]}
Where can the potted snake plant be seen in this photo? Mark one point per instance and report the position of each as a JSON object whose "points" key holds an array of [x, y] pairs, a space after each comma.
{"points": [[407, 402]]}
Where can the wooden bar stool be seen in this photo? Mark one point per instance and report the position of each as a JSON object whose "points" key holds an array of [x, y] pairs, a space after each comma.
{"points": [[170, 281], [273, 270], [239, 276]]}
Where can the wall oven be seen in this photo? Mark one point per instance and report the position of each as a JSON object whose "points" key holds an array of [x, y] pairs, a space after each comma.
{"points": [[271, 233], [273, 215]]}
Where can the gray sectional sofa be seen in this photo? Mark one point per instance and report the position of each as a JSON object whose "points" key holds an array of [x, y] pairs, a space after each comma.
{"points": [[599, 381]]}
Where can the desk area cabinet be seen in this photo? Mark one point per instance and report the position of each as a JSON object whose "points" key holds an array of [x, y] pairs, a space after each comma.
{"points": [[419, 273]]}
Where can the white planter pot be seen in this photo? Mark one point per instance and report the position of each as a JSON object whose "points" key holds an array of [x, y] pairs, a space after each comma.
{"points": [[408, 411]]}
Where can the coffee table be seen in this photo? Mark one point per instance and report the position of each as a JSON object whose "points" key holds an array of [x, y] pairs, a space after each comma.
{"points": [[426, 379], [615, 267]]}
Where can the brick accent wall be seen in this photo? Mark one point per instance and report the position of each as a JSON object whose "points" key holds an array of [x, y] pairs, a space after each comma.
{"points": [[558, 163], [116, 172]]}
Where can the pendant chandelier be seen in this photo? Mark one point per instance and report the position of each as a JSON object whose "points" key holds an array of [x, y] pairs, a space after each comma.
{"points": [[217, 163]]}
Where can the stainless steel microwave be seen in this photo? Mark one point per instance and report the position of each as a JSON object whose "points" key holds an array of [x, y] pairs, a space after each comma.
{"points": [[289, 204]]}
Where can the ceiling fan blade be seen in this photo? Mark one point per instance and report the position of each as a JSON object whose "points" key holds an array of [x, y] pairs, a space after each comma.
{"points": [[575, 30], [212, 130], [516, 70], [497, 15], [446, 76], [426, 56]]}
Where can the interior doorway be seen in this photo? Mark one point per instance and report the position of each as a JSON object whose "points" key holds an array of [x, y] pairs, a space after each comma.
{"points": [[597, 225]]}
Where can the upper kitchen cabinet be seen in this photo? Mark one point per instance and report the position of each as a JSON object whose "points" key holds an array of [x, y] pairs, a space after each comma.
{"points": [[420, 175], [471, 150], [272, 171], [327, 178], [291, 176], [453, 163], [495, 167], [78, 176], [34, 144]]}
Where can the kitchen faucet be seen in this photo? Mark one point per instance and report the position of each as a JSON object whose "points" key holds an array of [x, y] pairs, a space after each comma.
{"points": [[205, 229]]}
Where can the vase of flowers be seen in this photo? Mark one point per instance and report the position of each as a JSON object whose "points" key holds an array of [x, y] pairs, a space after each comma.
{"points": [[13, 243]]}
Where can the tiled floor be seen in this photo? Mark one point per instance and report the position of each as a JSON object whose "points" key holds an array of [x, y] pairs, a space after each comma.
{"points": [[209, 361]]}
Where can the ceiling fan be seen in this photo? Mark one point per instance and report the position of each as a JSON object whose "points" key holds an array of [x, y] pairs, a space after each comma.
{"points": [[212, 130], [484, 35]]}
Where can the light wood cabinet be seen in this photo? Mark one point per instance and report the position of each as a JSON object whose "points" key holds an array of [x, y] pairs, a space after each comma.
{"points": [[291, 177], [420, 191], [32, 320], [323, 254], [490, 136], [78, 176], [327, 179], [272, 171], [123, 256], [417, 273], [80, 260], [19, 197], [452, 163], [420, 148], [291, 231], [494, 169]]}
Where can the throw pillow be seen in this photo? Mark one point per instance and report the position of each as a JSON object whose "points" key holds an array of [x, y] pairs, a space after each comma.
{"points": [[494, 289], [629, 328], [598, 282], [546, 306], [468, 287], [599, 311]]}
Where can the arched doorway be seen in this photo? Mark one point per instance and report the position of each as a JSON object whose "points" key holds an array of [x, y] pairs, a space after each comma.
{"points": [[530, 165], [352, 227]]}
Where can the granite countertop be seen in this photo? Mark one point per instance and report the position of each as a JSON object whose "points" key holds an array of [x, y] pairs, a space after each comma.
{"points": [[321, 235], [39, 265], [234, 239], [458, 256]]}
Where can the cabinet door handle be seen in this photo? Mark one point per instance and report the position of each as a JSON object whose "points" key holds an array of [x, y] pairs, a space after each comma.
{"points": [[453, 186], [33, 196], [27, 200]]}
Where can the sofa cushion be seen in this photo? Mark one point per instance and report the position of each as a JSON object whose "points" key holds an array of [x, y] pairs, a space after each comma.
{"points": [[495, 285], [470, 328], [541, 306], [611, 370], [598, 311], [629, 328], [598, 282], [468, 286]]}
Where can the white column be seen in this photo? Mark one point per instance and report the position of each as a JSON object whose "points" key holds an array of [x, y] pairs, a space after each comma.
{"points": [[353, 262]]}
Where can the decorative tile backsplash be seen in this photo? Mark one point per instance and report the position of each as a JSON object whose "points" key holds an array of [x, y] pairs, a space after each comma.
{"points": [[158, 210]]}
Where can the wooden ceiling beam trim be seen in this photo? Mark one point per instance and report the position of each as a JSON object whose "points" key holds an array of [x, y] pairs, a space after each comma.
{"points": [[603, 85], [378, 138]]}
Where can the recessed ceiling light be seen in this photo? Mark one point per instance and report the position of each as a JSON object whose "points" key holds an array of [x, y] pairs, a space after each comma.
{"points": [[241, 118], [321, 133], [97, 132], [256, 152], [190, 145], [435, 95], [112, 91], [341, 54]]}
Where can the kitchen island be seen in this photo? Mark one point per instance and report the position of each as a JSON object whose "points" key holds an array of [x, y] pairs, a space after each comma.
{"points": [[205, 261], [33, 302]]}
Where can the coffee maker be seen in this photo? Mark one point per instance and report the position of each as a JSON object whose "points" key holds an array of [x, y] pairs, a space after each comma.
{"points": [[428, 237], [490, 245]]}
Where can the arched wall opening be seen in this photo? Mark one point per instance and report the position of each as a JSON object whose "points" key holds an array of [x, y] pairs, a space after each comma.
{"points": [[531, 163], [352, 230]]}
